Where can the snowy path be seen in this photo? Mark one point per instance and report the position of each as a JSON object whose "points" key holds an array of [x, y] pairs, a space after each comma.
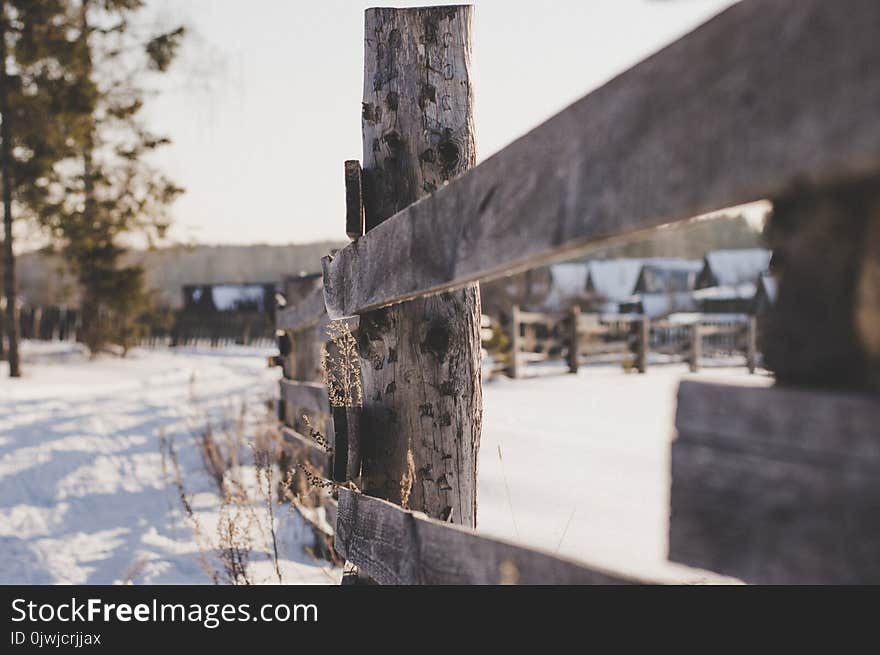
{"points": [[83, 498]]}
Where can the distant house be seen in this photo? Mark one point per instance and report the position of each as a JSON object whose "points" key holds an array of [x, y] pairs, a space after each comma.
{"points": [[567, 284], [611, 282], [729, 280], [656, 305], [257, 298], [668, 275], [728, 268], [733, 299], [765, 296]]}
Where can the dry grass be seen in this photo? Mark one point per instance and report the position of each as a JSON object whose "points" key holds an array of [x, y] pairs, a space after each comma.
{"points": [[406, 482], [230, 449], [341, 366]]}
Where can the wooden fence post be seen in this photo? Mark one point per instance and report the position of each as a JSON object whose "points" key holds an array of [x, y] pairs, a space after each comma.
{"points": [[422, 414], [573, 341], [839, 227], [515, 345], [696, 347], [752, 344], [644, 344]]}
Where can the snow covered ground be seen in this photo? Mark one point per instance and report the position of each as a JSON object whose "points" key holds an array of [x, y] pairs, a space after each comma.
{"points": [[84, 499], [586, 460], [83, 495]]}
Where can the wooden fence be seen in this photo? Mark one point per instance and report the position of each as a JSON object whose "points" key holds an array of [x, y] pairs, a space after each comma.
{"points": [[582, 338], [771, 99], [46, 323]]}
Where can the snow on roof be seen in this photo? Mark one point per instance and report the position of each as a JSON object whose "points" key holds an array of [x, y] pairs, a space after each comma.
{"points": [[730, 292], [668, 274], [569, 281], [614, 279], [732, 267], [228, 297]]}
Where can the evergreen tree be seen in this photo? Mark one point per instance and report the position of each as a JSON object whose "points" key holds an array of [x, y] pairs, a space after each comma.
{"points": [[110, 192], [39, 106]]}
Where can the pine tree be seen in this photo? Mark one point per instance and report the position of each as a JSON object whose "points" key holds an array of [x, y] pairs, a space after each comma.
{"points": [[113, 192], [39, 106]]}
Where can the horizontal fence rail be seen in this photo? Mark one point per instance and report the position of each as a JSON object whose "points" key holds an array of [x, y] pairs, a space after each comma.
{"points": [[777, 486], [788, 96], [396, 546], [303, 314], [306, 396]]}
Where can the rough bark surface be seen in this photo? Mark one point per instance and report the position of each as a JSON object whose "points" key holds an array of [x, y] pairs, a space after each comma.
{"points": [[420, 427]]}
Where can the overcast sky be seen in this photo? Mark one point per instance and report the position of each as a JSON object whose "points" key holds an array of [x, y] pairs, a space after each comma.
{"points": [[265, 104]]}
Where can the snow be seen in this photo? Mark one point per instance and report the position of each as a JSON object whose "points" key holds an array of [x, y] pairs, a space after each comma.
{"points": [[668, 275], [733, 292], [228, 297], [732, 267], [83, 496], [614, 279], [592, 451], [569, 283]]}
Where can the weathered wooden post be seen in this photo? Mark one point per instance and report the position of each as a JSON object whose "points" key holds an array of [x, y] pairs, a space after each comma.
{"points": [[824, 328], [573, 349], [644, 345], [515, 337], [696, 347], [422, 414], [752, 344]]}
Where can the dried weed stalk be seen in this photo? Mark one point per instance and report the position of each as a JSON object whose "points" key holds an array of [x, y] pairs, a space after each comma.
{"points": [[406, 482], [342, 370]]}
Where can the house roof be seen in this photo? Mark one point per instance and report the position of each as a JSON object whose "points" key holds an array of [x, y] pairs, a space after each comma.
{"points": [[733, 267], [613, 279], [569, 281], [668, 274]]}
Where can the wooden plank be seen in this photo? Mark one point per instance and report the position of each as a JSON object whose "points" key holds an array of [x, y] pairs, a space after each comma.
{"points": [[538, 318], [302, 449], [696, 347], [777, 486], [644, 344], [396, 546], [766, 94], [354, 204], [752, 345], [310, 396], [573, 339], [303, 314], [515, 337]]}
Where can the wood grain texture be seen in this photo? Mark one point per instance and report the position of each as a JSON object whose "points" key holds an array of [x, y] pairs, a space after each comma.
{"points": [[396, 546], [304, 313], [777, 486], [765, 95], [354, 201], [310, 399], [300, 448], [420, 360]]}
